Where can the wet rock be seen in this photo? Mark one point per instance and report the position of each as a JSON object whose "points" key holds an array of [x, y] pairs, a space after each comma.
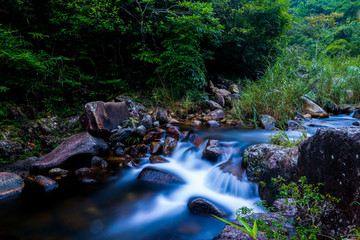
{"points": [[121, 134], [98, 162], [196, 139], [267, 121], [266, 161], [47, 184], [58, 172], [158, 159], [131, 104], [204, 207], [356, 114], [137, 149], [313, 109], [117, 161], [356, 123], [307, 116], [173, 132], [156, 148], [140, 131], [152, 136], [212, 151], [286, 206], [295, 125], [215, 115], [212, 105], [10, 184], [119, 151], [233, 88], [174, 122], [195, 123], [231, 233], [9, 150], [85, 173], [21, 167], [234, 167], [154, 176], [184, 136], [79, 144], [169, 146], [331, 157], [212, 124], [146, 121], [220, 100], [161, 116], [156, 124], [100, 118]]}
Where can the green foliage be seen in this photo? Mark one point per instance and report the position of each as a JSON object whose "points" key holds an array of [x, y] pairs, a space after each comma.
{"points": [[282, 139], [248, 230]]}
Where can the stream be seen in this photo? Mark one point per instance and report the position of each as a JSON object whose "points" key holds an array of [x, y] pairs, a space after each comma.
{"points": [[123, 208]]}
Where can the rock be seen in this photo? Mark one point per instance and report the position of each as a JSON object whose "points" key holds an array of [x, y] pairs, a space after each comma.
{"points": [[79, 144], [100, 118], [121, 134], [10, 184], [161, 116], [99, 162], [58, 172], [267, 121], [221, 92], [212, 151], [196, 139], [156, 148], [356, 123], [119, 151], [174, 122], [21, 167], [204, 207], [313, 109], [9, 150], [156, 124], [215, 115], [85, 174], [220, 100], [152, 136], [307, 116], [213, 105], [137, 149], [231, 233], [294, 125], [154, 176], [212, 124], [266, 161], [345, 108], [233, 88], [146, 121], [158, 159], [47, 184], [140, 131], [195, 123], [132, 105], [286, 206], [331, 157], [173, 132], [356, 114], [169, 146]]}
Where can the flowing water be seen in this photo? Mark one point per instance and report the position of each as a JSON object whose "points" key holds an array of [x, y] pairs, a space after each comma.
{"points": [[123, 208]]}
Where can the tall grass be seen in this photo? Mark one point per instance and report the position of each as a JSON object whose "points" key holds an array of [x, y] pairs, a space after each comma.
{"points": [[293, 75]]}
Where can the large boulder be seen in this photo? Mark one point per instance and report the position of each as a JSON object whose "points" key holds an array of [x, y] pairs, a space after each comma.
{"points": [[266, 161], [205, 207], [331, 157], [215, 115], [10, 184], [154, 176], [212, 151], [79, 144], [99, 118], [313, 109]]}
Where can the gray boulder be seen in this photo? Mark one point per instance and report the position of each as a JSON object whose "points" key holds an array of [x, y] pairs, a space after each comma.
{"points": [[10, 184], [205, 207]]}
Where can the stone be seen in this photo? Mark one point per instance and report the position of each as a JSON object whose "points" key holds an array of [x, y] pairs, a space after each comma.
{"points": [[152, 136], [132, 105], [156, 124], [154, 176], [174, 122], [286, 206], [173, 132], [212, 151], [9, 150], [99, 162], [195, 123], [356, 114], [136, 150], [313, 109], [231, 233], [21, 167], [294, 125], [205, 207], [169, 146], [213, 105], [212, 124], [10, 184], [220, 100], [266, 161], [99, 118], [161, 116], [140, 131], [58, 172], [79, 144], [331, 157], [221, 92], [85, 173], [356, 123], [157, 159], [119, 151], [267, 122], [196, 139], [47, 184], [307, 116], [146, 121], [156, 148], [215, 115], [121, 135], [233, 88]]}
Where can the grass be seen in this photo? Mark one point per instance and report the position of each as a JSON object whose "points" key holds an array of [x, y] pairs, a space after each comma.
{"points": [[293, 75]]}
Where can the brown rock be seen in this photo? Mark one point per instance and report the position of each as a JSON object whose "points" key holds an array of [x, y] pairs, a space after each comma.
{"points": [[169, 146], [173, 132], [47, 184], [196, 139], [157, 159], [152, 136], [156, 148], [313, 109], [205, 207], [212, 152], [215, 115], [10, 184]]}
